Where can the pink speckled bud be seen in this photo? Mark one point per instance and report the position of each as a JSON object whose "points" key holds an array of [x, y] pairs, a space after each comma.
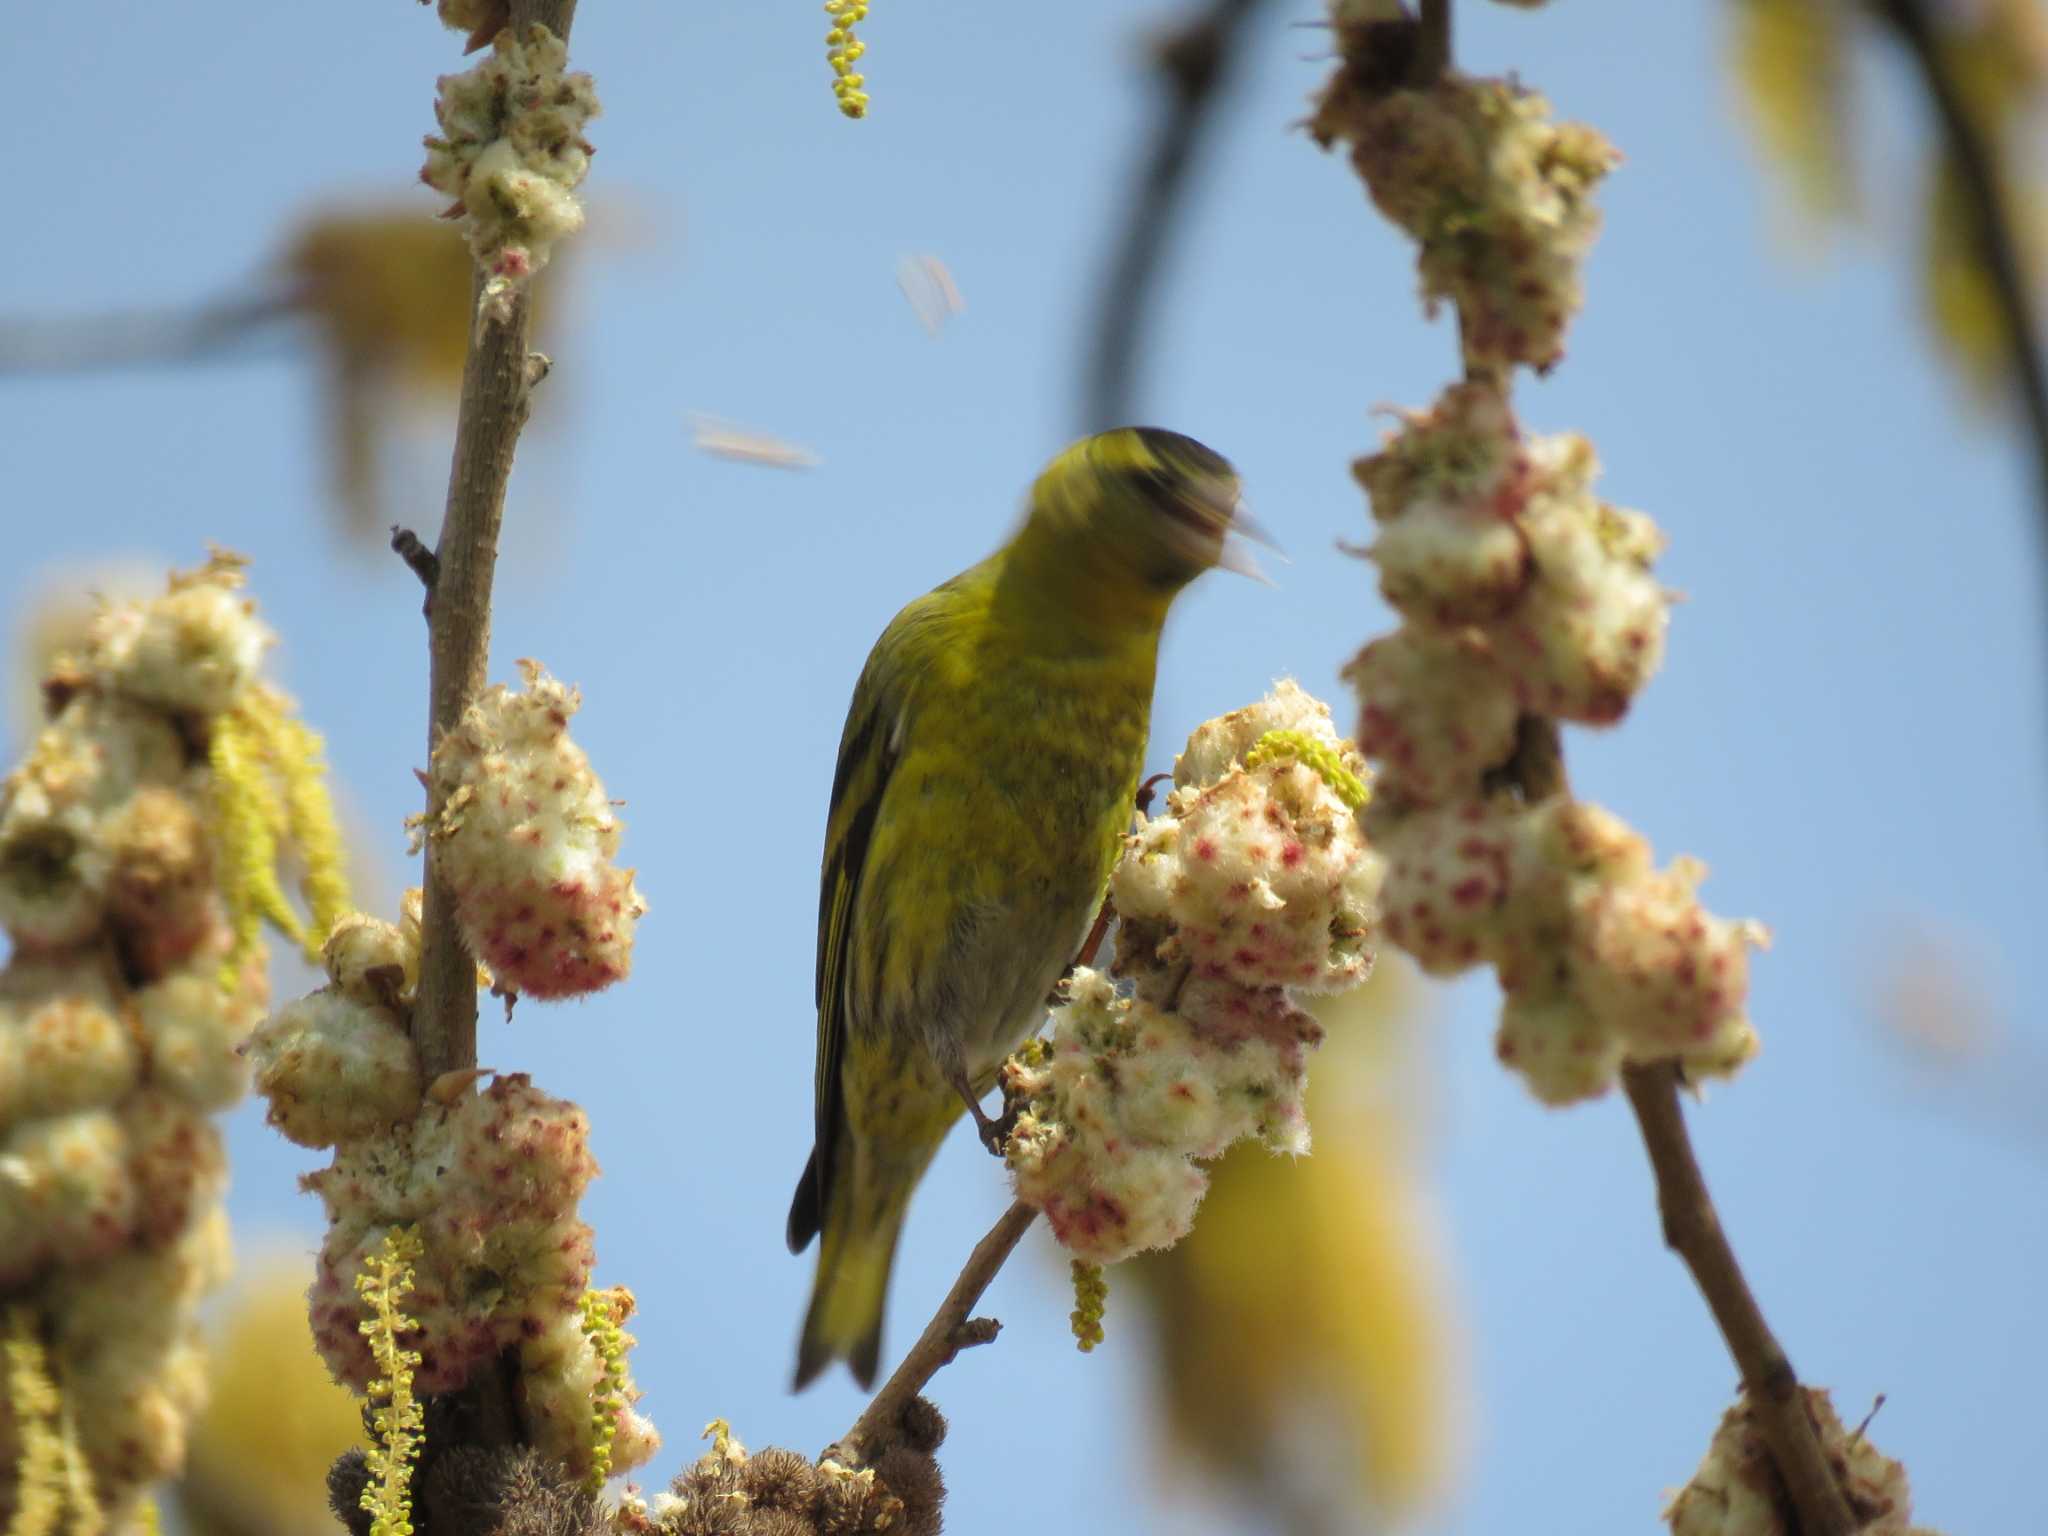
{"points": [[524, 833], [1446, 490], [1561, 1051], [526, 1150], [1433, 712], [1448, 876], [1590, 630], [1669, 977]]}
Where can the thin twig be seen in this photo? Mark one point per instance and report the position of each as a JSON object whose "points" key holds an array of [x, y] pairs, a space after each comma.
{"points": [[1194, 62], [495, 384], [1692, 1230], [951, 1329], [1990, 215]]}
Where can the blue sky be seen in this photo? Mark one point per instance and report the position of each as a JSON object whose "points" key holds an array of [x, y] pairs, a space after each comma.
{"points": [[1849, 728]]}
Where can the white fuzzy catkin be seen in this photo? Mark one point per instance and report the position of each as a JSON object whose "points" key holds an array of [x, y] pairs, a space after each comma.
{"points": [[118, 1030], [1256, 880], [490, 1180], [525, 836]]}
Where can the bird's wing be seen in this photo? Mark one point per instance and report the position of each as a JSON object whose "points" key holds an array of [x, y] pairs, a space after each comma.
{"points": [[869, 749]]}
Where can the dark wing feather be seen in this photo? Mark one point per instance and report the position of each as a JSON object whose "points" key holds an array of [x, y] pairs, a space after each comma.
{"points": [[868, 749]]}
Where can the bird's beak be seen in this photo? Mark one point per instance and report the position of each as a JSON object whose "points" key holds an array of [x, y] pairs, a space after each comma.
{"points": [[1236, 555]]}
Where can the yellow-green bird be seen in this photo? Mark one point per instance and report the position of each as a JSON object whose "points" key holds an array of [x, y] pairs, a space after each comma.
{"points": [[985, 779]]}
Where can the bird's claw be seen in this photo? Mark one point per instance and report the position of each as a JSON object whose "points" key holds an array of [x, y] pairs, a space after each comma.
{"points": [[994, 1130]]}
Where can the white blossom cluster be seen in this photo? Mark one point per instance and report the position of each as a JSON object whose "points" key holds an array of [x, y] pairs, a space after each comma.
{"points": [[1737, 1490], [490, 1180], [1256, 881], [1497, 196], [1522, 595], [511, 152], [524, 834], [119, 1028]]}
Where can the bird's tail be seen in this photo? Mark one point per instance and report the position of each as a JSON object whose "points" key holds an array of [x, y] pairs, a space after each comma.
{"points": [[845, 1319]]}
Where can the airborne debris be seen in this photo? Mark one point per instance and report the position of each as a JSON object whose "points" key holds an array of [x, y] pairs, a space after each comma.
{"points": [[726, 441], [933, 294]]}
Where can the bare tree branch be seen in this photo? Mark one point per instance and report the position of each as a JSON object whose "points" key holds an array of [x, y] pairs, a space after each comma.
{"points": [[496, 379], [1693, 1231], [952, 1329]]}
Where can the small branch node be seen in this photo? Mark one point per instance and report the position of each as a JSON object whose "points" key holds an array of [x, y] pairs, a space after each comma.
{"points": [[422, 561], [975, 1331]]}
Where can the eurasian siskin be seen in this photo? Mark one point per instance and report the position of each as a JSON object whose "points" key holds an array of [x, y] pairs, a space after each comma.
{"points": [[985, 777]]}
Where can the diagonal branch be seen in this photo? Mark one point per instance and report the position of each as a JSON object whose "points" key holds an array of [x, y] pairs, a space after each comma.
{"points": [[951, 1330], [1693, 1231], [1194, 61]]}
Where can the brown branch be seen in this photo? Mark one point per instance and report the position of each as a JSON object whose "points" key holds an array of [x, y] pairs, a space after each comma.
{"points": [[951, 1330], [1692, 1227], [1990, 213], [1692, 1230], [1432, 45], [1194, 62], [496, 379]]}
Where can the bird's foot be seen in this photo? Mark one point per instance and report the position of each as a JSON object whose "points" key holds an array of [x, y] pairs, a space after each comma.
{"points": [[994, 1130]]}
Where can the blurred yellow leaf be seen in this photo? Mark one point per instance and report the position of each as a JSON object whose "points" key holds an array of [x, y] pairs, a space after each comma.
{"points": [[1306, 1352], [275, 1422], [1791, 66]]}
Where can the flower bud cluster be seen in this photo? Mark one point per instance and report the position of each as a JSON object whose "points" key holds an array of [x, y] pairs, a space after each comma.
{"points": [[1496, 195], [1522, 591], [490, 1180], [524, 835], [1255, 882], [1737, 1490], [1522, 596], [1525, 600], [512, 153], [731, 1491], [121, 1015]]}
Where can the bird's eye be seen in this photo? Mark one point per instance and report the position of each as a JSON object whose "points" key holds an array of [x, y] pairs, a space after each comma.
{"points": [[1182, 479]]}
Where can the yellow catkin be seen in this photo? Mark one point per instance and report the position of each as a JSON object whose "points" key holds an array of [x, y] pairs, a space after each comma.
{"points": [[1319, 755], [301, 761], [269, 789], [39, 1478], [87, 1518], [1091, 1299], [603, 1312], [248, 815], [843, 51], [386, 1280]]}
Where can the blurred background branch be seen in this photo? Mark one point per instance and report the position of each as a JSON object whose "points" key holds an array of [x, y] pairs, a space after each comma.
{"points": [[219, 328], [1973, 161], [1192, 63]]}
